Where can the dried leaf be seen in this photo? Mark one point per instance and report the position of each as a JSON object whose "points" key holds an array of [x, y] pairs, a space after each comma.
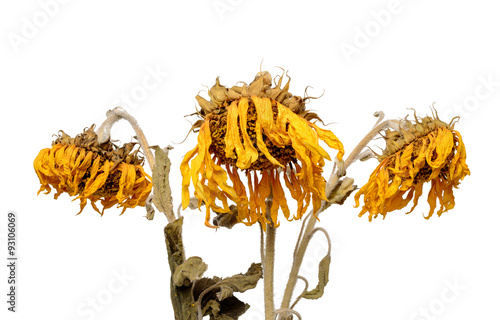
{"points": [[226, 219], [243, 282], [182, 298], [205, 105], [341, 192], [217, 93], [193, 203], [150, 211], [218, 301], [162, 193], [231, 309], [225, 292], [191, 270], [324, 270]]}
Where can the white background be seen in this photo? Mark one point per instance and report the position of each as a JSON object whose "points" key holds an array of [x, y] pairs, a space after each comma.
{"points": [[63, 65]]}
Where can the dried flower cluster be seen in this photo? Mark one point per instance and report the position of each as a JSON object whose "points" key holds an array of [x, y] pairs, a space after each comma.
{"points": [[84, 168], [425, 150], [267, 132]]}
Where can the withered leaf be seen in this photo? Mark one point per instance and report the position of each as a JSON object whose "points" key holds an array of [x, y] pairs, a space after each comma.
{"points": [[162, 193], [191, 270], [150, 211], [205, 105], [341, 192], [217, 93], [226, 219], [225, 292], [193, 203], [182, 298], [243, 282], [218, 301], [323, 272], [231, 309]]}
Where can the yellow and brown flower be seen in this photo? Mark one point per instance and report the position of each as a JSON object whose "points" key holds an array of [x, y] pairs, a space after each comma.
{"points": [[425, 150], [266, 132], [84, 168]]}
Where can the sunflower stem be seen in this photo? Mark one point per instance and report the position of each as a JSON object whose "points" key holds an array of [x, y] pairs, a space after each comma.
{"points": [[269, 273], [353, 156], [288, 311], [308, 225], [113, 116]]}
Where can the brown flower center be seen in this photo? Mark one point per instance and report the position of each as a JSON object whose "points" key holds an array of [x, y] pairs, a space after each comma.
{"points": [[218, 128], [425, 172]]}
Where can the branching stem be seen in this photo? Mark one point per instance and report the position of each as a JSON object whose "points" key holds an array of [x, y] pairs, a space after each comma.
{"points": [[308, 225]]}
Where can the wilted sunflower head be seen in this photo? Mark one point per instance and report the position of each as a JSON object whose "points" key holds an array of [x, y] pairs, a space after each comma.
{"points": [[424, 150], [265, 131], [82, 167]]}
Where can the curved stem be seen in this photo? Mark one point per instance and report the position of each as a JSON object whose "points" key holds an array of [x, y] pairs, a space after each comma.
{"points": [[118, 113], [287, 311], [202, 294], [309, 222], [303, 291], [394, 124]]}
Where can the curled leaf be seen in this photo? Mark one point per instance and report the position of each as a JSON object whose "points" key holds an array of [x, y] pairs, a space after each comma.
{"points": [[193, 203], [215, 296], [189, 271], [226, 219], [182, 298], [243, 282], [341, 192], [323, 272], [150, 211]]}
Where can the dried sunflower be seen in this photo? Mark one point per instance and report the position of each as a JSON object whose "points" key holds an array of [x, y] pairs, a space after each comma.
{"points": [[423, 150], [84, 168], [266, 132]]}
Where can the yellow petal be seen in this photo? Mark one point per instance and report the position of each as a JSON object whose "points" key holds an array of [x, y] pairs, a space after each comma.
{"points": [[303, 131], [265, 114], [260, 141], [127, 181], [99, 180], [278, 198], [331, 140], [232, 139], [253, 154], [186, 176], [439, 149]]}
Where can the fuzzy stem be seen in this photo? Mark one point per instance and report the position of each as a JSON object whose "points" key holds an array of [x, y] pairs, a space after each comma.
{"points": [[118, 113], [269, 273], [310, 222], [288, 311], [303, 291]]}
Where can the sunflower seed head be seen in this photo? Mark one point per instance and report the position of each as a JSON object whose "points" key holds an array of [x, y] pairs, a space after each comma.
{"points": [[107, 150]]}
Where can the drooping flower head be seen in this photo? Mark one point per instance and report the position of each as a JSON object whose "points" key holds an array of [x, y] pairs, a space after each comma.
{"points": [[266, 133], [84, 168], [423, 150]]}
